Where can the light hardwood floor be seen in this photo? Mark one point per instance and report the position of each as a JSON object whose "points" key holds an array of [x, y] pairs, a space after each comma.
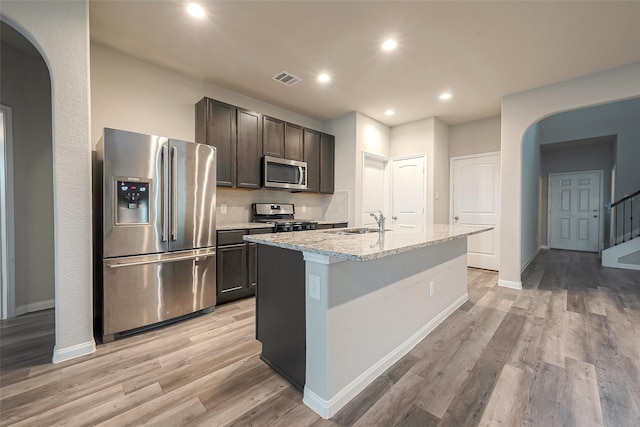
{"points": [[563, 351]]}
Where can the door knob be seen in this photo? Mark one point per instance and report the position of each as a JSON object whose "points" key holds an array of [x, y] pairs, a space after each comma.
{"points": [[456, 218], [394, 218]]}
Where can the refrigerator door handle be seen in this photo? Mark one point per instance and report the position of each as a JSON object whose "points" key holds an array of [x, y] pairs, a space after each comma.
{"points": [[165, 194], [158, 261], [174, 193]]}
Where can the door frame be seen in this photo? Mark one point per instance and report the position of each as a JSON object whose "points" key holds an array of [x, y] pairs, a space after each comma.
{"points": [[468, 156], [425, 182], [7, 242], [387, 183], [600, 172]]}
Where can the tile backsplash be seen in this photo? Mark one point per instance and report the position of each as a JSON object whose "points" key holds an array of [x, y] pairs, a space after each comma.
{"points": [[308, 205]]}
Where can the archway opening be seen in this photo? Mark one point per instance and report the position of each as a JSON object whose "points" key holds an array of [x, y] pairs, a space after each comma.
{"points": [[602, 137], [29, 291]]}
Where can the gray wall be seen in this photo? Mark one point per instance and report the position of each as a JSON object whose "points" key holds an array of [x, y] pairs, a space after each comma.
{"points": [[26, 88], [593, 154], [480, 136], [530, 197], [619, 118]]}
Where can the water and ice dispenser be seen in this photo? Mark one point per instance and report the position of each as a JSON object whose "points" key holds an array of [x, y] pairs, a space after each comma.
{"points": [[132, 205]]}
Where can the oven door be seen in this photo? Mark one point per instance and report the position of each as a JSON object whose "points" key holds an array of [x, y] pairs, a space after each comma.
{"points": [[283, 173]]}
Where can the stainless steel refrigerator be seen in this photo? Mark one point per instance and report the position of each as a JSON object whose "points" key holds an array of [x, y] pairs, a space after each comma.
{"points": [[156, 206]]}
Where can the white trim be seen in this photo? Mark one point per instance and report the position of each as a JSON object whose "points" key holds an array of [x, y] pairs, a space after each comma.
{"points": [[510, 284], [629, 266], [35, 306], [600, 172], [544, 247], [68, 353], [328, 408], [527, 262], [7, 238]]}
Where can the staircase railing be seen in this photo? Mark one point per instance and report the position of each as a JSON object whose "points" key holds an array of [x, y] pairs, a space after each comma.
{"points": [[623, 219]]}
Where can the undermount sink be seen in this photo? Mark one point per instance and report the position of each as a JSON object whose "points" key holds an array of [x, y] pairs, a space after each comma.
{"points": [[349, 231]]}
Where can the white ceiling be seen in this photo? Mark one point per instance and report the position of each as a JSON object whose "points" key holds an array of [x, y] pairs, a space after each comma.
{"points": [[478, 50]]}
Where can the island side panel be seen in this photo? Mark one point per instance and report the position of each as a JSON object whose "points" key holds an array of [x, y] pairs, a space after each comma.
{"points": [[280, 312], [372, 313]]}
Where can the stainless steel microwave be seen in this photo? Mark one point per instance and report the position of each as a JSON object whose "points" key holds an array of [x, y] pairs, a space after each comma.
{"points": [[283, 173]]}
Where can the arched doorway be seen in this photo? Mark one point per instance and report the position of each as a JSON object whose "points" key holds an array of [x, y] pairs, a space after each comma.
{"points": [[29, 291]]}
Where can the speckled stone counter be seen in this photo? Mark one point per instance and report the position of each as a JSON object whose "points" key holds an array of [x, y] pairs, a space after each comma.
{"points": [[240, 226], [365, 247]]}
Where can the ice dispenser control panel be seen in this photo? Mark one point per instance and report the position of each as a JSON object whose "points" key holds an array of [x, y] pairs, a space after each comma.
{"points": [[132, 202]]}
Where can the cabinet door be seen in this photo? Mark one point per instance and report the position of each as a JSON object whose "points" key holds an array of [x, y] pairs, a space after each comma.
{"points": [[327, 163], [272, 137], [232, 272], [312, 157], [293, 145], [216, 126], [249, 149]]}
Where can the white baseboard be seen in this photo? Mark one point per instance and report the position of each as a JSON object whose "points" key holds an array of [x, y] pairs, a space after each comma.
{"points": [[628, 266], [544, 247], [531, 258], [328, 408], [35, 306], [510, 284], [68, 353]]}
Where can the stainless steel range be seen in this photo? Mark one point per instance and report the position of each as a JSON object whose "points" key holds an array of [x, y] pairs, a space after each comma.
{"points": [[281, 216]]}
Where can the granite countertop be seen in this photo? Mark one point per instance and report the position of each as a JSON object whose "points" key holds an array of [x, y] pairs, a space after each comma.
{"points": [[240, 226], [365, 247]]}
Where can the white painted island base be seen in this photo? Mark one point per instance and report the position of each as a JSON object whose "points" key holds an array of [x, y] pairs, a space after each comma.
{"points": [[361, 317]]}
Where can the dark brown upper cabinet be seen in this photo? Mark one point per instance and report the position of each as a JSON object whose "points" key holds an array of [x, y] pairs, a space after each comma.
{"points": [[237, 136], [327, 163], [272, 137], [293, 143], [216, 126], [312, 157], [249, 148]]}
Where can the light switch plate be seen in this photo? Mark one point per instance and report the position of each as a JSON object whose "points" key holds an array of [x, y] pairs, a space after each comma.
{"points": [[314, 287]]}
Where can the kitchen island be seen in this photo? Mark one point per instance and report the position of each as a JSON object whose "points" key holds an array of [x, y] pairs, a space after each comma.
{"points": [[336, 308]]}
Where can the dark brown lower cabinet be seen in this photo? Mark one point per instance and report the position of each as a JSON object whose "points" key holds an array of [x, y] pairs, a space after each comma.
{"points": [[280, 312], [236, 275]]}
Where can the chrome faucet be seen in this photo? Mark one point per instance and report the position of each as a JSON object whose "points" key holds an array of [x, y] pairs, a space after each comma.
{"points": [[380, 220]]}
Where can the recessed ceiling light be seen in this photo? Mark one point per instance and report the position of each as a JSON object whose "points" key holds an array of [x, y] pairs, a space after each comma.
{"points": [[389, 44], [324, 78], [446, 95], [195, 10], [389, 113]]}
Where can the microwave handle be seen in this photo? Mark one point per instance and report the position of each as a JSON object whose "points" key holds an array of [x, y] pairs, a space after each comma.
{"points": [[302, 180]]}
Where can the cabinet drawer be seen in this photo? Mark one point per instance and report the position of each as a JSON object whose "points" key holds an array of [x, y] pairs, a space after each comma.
{"points": [[232, 237]]}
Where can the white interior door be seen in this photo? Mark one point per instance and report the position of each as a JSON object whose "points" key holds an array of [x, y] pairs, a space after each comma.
{"points": [[475, 200], [374, 186], [408, 193], [574, 211]]}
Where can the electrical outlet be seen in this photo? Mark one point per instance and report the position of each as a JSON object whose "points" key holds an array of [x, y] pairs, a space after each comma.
{"points": [[432, 289], [223, 208], [314, 287], [303, 208]]}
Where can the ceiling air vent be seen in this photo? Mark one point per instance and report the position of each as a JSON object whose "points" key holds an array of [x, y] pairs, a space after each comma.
{"points": [[286, 78]]}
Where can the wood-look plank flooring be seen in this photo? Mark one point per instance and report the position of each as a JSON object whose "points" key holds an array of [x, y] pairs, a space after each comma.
{"points": [[564, 351]]}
